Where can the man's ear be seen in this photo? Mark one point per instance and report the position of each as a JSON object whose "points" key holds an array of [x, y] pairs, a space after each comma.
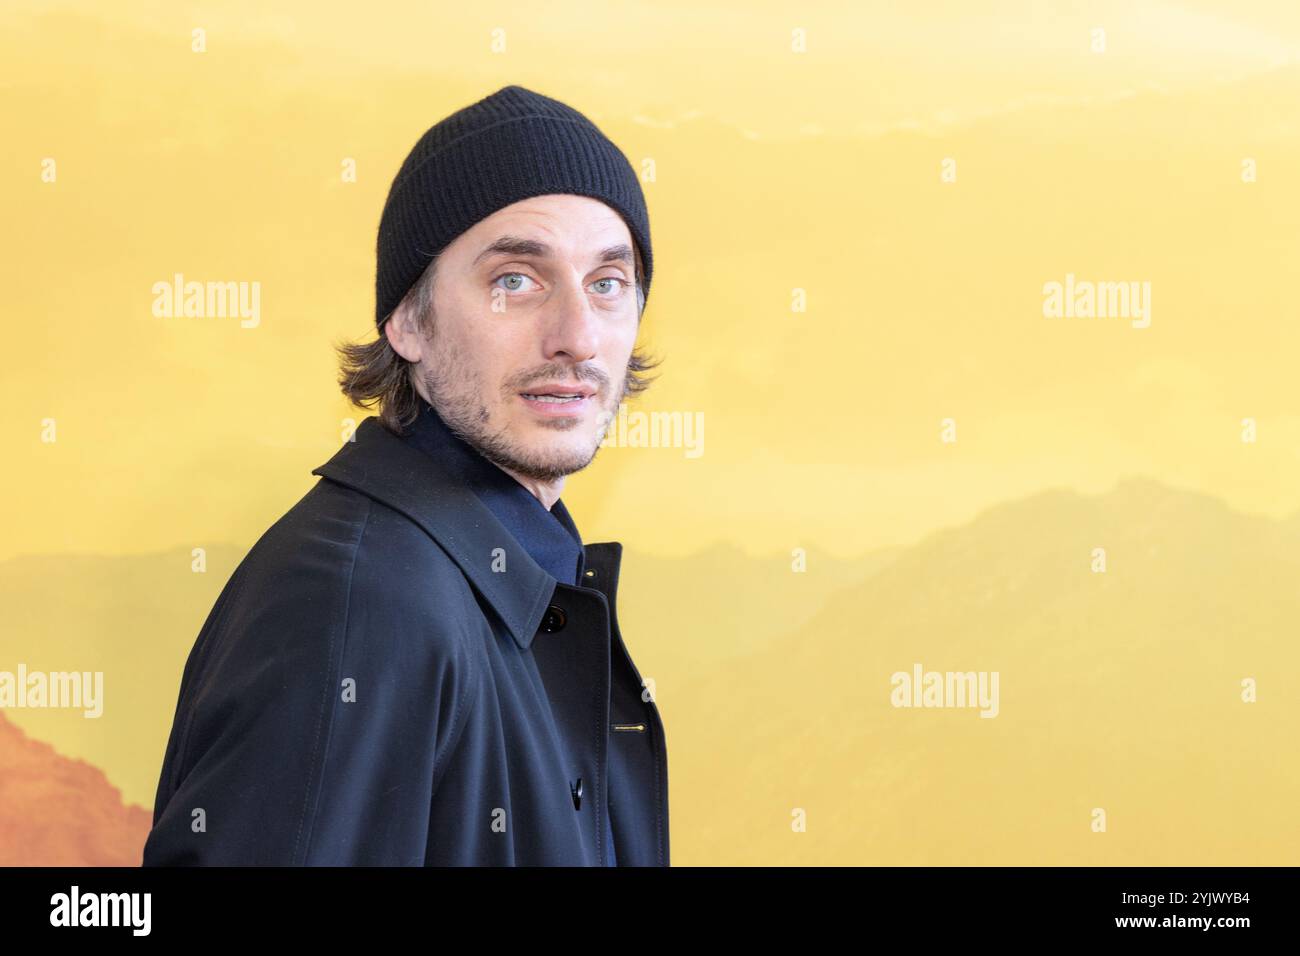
{"points": [[400, 330]]}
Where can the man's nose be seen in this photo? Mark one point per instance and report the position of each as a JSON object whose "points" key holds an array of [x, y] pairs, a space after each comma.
{"points": [[573, 322]]}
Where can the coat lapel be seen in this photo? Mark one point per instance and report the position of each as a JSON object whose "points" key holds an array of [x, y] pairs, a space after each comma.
{"points": [[381, 465], [573, 657]]}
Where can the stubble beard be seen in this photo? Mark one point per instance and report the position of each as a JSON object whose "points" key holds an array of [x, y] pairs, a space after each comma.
{"points": [[455, 396]]}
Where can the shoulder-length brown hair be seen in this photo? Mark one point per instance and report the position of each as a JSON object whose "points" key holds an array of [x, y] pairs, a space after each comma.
{"points": [[372, 373]]}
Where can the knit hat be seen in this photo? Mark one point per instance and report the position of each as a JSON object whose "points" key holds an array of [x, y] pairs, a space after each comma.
{"points": [[509, 146]]}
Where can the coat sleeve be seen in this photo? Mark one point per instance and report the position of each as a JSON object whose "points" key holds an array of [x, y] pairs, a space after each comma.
{"points": [[317, 710]]}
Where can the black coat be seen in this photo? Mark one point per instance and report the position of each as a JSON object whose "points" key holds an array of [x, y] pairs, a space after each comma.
{"points": [[389, 678]]}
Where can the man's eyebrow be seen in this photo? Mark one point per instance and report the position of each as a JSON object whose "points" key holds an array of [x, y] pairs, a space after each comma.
{"points": [[515, 246], [619, 253]]}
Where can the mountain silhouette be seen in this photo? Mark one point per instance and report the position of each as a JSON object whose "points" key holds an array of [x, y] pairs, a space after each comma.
{"points": [[1119, 690], [57, 811]]}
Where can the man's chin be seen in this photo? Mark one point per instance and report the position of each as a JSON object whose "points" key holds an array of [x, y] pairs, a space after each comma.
{"points": [[557, 462]]}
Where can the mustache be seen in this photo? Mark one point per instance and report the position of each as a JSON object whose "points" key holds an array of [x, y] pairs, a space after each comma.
{"points": [[597, 379]]}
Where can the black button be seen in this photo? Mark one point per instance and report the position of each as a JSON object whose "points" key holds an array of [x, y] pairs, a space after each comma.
{"points": [[554, 619], [576, 790]]}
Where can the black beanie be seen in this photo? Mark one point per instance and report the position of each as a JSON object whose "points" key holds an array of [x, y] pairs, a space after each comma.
{"points": [[512, 145]]}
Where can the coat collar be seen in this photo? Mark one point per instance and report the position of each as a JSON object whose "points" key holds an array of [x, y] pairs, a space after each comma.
{"points": [[381, 465]]}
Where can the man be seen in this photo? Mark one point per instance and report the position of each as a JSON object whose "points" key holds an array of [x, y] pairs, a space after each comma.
{"points": [[420, 663]]}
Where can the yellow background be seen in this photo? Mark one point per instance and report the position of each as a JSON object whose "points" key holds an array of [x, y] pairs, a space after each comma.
{"points": [[773, 171]]}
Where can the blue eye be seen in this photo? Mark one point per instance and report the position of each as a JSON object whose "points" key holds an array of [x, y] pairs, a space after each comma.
{"points": [[511, 275], [621, 283]]}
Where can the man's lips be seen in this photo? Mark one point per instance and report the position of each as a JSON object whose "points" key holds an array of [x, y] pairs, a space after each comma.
{"points": [[586, 391], [552, 401]]}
